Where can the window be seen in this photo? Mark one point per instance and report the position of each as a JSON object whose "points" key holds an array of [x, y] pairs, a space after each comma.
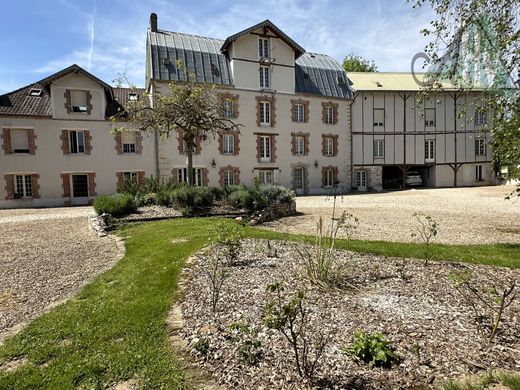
{"points": [[479, 176], [361, 179], [20, 140], [183, 176], [379, 148], [429, 151], [379, 118], [329, 115], [128, 140], [133, 96], [329, 146], [263, 48], [265, 113], [480, 147], [228, 108], [80, 186], [78, 101], [299, 143], [35, 92], [480, 117], [229, 144], [429, 117], [264, 77], [23, 186], [329, 177], [265, 148], [77, 141], [300, 112], [130, 176], [265, 176], [229, 177], [298, 178]]}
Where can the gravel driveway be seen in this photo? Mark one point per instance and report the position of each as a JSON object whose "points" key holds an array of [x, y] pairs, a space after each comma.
{"points": [[46, 255], [476, 215]]}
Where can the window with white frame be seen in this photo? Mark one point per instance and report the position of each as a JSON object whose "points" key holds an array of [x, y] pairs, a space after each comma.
{"points": [[329, 146], [133, 96], [429, 117], [20, 140], [480, 117], [263, 48], [379, 118], [379, 148], [479, 173], [228, 108], [229, 144], [329, 177], [361, 179], [265, 113], [265, 148], [329, 117], [128, 140], [480, 147], [264, 77], [76, 141], [78, 101], [23, 186], [130, 176], [266, 176], [299, 143], [300, 112], [197, 176], [298, 178], [229, 177], [429, 151]]}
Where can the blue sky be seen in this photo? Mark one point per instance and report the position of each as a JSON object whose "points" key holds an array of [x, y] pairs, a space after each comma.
{"points": [[40, 37]]}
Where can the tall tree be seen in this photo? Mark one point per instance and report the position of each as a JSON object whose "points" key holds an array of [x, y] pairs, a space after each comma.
{"points": [[354, 63], [480, 39], [194, 109]]}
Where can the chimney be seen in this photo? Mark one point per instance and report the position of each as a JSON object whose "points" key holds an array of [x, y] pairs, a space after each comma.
{"points": [[153, 22]]}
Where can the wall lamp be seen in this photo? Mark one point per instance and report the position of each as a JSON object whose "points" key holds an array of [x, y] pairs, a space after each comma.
{"points": [[316, 165], [213, 164]]}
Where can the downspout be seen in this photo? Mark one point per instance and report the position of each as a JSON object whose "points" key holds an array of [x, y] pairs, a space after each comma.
{"points": [[352, 143]]}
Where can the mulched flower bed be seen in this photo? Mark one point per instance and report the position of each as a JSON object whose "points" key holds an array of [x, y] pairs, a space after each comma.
{"points": [[162, 212], [407, 301]]}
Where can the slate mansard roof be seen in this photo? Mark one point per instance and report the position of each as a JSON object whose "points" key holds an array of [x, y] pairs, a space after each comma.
{"points": [[208, 59]]}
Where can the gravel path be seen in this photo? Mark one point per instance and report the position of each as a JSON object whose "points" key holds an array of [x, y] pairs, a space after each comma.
{"points": [[46, 255], [477, 215]]}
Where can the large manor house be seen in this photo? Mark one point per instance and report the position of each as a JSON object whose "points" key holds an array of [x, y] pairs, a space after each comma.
{"points": [[305, 124]]}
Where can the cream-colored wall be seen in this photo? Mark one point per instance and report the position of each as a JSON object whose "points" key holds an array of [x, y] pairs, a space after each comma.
{"points": [[49, 161], [247, 162], [77, 82]]}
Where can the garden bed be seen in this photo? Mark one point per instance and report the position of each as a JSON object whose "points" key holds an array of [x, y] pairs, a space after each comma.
{"points": [[415, 306]]}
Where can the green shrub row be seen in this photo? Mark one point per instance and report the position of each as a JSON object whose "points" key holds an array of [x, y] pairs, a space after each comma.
{"points": [[116, 205]]}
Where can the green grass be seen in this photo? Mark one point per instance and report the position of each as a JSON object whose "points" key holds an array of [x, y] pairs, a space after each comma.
{"points": [[509, 380], [114, 329]]}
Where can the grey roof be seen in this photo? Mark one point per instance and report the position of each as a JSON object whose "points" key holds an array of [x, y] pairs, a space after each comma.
{"points": [[201, 56], [268, 25], [315, 73], [322, 75]]}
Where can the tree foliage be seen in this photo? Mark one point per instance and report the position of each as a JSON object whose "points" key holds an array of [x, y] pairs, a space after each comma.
{"points": [[354, 63], [194, 109], [493, 29]]}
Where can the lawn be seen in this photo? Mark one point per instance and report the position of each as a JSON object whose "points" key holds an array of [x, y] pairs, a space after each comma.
{"points": [[114, 329]]}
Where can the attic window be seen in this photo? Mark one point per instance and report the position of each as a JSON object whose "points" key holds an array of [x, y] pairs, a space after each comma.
{"points": [[166, 61], [35, 92], [313, 56], [215, 70], [379, 84], [305, 75], [340, 80], [133, 96]]}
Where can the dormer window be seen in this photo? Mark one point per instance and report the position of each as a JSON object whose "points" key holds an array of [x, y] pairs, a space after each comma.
{"points": [[78, 101], [340, 80], [133, 96], [263, 48], [35, 92]]}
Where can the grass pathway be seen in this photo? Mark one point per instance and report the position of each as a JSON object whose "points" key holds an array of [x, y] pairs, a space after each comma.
{"points": [[114, 329]]}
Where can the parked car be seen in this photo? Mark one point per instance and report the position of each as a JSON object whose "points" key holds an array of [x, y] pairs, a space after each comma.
{"points": [[413, 178]]}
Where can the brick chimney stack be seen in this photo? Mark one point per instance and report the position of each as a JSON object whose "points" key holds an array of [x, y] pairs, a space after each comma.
{"points": [[153, 22]]}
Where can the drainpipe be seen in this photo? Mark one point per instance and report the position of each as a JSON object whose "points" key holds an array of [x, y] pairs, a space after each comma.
{"points": [[351, 144]]}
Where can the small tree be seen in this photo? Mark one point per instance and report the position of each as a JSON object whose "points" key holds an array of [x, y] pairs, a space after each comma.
{"points": [[426, 231], [354, 63], [194, 109], [217, 275]]}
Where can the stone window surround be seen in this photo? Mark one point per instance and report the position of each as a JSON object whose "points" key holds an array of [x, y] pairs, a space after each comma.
{"points": [[204, 175], [10, 185], [138, 143], [334, 144], [65, 142], [273, 146], [305, 104], [7, 144], [236, 135], [66, 184], [120, 177], [305, 143], [180, 143], [324, 106], [305, 176], [235, 170], [324, 170], [270, 99], [234, 98], [68, 102]]}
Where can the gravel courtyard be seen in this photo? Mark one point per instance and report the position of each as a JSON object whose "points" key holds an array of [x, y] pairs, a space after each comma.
{"points": [[45, 256], [478, 215]]}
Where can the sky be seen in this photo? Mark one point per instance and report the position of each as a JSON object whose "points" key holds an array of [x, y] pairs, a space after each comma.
{"points": [[107, 38]]}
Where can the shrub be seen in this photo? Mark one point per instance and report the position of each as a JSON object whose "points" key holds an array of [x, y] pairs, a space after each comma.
{"points": [[218, 193], [202, 196], [276, 194], [236, 187], [249, 347], [164, 197], [373, 349], [115, 205], [192, 197], [241, 199], [229, 238], [150, 185], [146, 199]]}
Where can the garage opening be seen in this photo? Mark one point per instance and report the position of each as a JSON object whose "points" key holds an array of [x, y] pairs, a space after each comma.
{"points": [[392, 177]]}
